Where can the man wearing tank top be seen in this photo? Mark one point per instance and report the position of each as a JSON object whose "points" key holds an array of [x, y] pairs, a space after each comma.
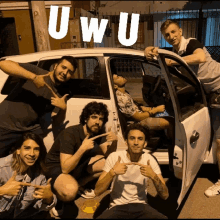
{"points": [[207, 70]]}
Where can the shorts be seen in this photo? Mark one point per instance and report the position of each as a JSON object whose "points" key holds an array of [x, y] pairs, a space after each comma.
{"points": [[53, 171], [215, 121]]}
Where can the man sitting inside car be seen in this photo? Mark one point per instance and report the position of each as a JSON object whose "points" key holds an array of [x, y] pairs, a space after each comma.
{"points": [[145, 115]]}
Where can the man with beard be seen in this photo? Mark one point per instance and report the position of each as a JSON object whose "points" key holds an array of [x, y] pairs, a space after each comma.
{"points": [[78, 154], [31, 99]]}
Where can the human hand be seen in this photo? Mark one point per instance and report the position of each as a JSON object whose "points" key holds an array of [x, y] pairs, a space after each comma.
{"points": [[160, 108], [59, 102], [111, 135], [145, 109], [39, 81], [151, 52], [146, 170], [88, 144], [12, 187], [168, 62], [44, 192], [120, 168]]}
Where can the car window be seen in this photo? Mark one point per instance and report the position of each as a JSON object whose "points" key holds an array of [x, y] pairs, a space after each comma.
{"points": [[187, 89], [86, 80], [132, 70], [152, 69]]}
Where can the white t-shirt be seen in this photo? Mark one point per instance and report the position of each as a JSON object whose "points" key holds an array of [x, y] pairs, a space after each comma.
{"points": [[131, 186]]}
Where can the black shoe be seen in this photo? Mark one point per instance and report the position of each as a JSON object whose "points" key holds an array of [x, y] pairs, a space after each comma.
{"points": [[214, 99]]}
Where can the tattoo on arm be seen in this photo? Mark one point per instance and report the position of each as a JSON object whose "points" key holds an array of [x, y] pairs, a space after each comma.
{"points": [[160, 187]]}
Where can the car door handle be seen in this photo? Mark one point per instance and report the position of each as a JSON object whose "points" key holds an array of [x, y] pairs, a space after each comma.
{"points": [[194, 137]]}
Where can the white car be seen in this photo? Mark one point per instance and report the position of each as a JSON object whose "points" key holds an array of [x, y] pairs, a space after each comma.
{"points": [[152, 83]]}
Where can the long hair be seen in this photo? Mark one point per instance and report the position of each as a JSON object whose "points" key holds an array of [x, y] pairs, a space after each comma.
{"points": [[94, 108], [17, 163]]}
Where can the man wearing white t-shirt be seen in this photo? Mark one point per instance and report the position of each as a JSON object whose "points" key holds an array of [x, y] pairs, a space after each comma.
{"points": [[129, 171]]}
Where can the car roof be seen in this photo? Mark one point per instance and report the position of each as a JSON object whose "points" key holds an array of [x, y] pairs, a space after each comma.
{"points": [[84, 51]]}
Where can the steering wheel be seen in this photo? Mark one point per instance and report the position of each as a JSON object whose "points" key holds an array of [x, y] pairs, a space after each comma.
{"points": [[155, 85]]}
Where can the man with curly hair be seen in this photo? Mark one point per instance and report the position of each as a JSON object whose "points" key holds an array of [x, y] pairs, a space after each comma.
{"points": [[78, 154]]}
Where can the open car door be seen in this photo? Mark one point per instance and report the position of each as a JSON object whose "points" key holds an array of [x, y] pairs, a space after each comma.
{"points": [[192, 120]]}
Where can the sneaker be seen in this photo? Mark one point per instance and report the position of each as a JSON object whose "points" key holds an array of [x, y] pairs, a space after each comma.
{"points": [[57, 212], [213, 190], [87, 193]]}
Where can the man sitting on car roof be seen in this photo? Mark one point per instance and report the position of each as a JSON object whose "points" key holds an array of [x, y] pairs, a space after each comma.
{"points": [[144, 115], [27, 103]]}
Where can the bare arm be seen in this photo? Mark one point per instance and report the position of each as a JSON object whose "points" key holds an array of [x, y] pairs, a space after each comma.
{"points": [[103, 182], [139, 116], [69, 162], [159, 183], [160, 186], [14, 69], [197, 57]]}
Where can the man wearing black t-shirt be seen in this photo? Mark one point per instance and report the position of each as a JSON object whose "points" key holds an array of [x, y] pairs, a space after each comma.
{"points": [[194, 53], [78, 155], [24, 107]]}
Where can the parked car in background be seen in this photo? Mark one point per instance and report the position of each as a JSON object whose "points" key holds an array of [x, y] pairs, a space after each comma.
{"points": [[150, 83]]}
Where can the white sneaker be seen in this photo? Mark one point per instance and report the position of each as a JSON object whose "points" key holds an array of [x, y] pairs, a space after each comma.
{"points": [[87, 194], [213, 190], [58, 212]]}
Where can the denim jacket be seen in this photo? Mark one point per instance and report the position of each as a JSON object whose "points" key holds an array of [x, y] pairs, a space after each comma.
{"points": [[24, 204]]}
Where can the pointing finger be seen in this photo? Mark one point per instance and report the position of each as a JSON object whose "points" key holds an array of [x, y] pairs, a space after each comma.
{"points": [[64, 97], [48, 181], [87, 136], [54, 94], [119, 159], [98, 136], [148, 162], [136, 163], [27, 184], [128, 163], [152, 50]]}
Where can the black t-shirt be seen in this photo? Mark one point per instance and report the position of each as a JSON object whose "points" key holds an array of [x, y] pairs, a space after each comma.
{"points": [[68, 142], [191, 47], [23, 107]]}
